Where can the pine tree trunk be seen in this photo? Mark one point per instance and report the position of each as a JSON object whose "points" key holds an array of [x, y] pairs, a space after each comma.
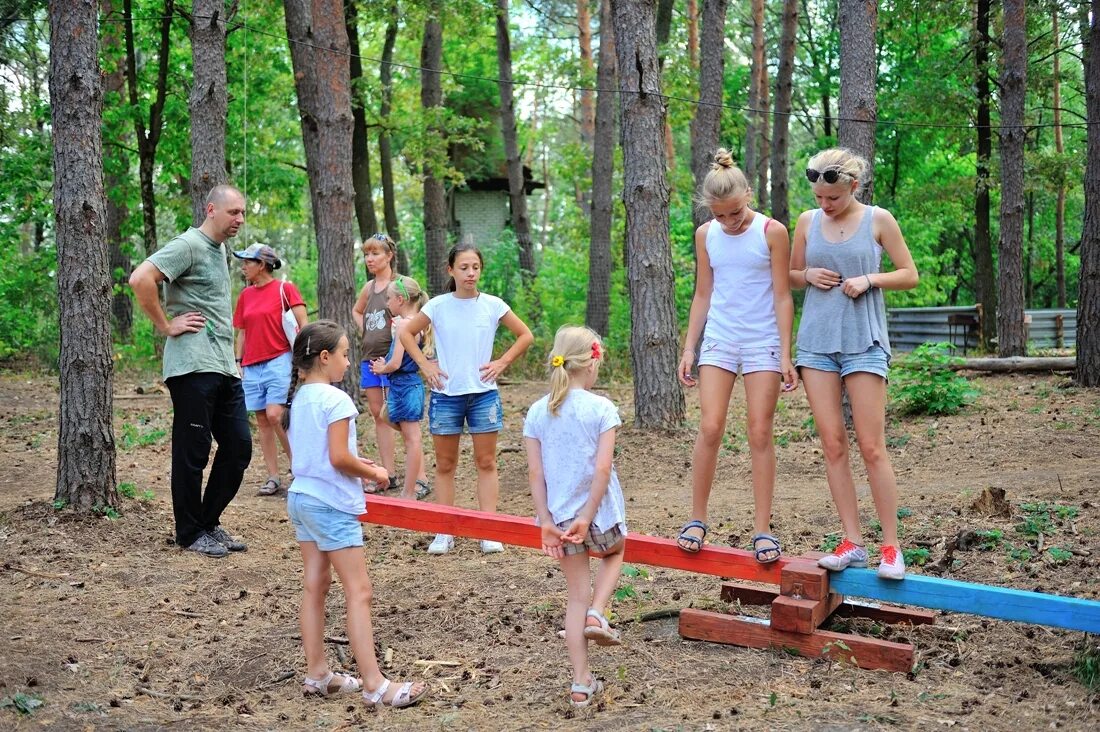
{"points": [[584, 43], [598, 306], [985, 278], [85, 442], [148, 139], [706, 124], [1059, 147], [360, 143], [435, 199], [209, 102], [1011, 336], [664, 29], [693, 33], [116, 163], [658, 399], [758, 173], [780, 191], [319, 53], [385, 154], [517, 195], [1088, 296], [858, 68]]}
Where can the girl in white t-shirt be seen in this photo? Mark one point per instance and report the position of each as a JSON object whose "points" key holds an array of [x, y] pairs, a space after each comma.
{"points": [[743, 296], [570, 436], [463, 382], [324, 503]]}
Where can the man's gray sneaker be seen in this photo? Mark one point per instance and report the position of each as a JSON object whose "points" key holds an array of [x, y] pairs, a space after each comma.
{"points": [[209, 546], [222, 536]]}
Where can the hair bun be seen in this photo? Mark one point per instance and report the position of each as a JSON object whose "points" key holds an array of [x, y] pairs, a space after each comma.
{"points": [[723, 159]]}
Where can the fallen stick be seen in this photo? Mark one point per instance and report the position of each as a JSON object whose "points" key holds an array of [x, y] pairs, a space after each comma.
{"points": [[161, 695], [34, 573], [1016, 364]]}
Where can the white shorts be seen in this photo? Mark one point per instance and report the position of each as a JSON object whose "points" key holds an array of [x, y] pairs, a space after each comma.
{"points": [[733, 358]]}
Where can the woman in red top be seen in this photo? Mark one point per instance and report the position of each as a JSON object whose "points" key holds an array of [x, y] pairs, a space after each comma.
{"points": [[263, 350]]}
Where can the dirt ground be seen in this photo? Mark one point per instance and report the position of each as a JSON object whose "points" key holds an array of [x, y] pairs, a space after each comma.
{"points": [[112, 627]]}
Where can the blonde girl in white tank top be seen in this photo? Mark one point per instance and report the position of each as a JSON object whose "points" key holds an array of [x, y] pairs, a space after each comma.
{"points": [[742, 294]]}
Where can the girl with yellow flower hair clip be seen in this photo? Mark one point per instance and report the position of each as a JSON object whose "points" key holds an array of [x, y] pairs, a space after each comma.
{"points": [[570, 438]]}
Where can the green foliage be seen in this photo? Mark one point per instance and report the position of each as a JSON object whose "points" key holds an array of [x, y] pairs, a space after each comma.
{"points": [[922, 383], [990, 540], [1086, 664], [127, 490], [829, 543], [22, 703], [1058, 555], [916, 556], [140, 435]]}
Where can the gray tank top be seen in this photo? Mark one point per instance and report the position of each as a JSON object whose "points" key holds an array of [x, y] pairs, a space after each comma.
{"points": [[831, 321]]}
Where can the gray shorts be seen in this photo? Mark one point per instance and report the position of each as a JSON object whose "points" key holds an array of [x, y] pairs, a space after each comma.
{"points": [[596, 541]]}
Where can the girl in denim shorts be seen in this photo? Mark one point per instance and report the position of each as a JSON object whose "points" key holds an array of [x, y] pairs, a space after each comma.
{"points": [[324, 503], [464, 379], [742, 294], [405, 395], [570, 438], [843, 343]]}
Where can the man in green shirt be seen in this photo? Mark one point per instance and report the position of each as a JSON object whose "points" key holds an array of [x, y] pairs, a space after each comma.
{"points": [[200, 370]]}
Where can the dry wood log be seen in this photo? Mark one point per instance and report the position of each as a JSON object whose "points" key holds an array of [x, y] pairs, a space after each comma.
{"points": [[1016, 364]]}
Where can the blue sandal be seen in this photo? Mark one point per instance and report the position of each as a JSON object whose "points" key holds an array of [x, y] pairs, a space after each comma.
{"points": [[774, 548], [696, 541]]}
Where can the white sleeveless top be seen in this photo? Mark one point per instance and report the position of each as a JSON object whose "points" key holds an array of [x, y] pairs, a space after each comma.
{"points": [[742, 308]]}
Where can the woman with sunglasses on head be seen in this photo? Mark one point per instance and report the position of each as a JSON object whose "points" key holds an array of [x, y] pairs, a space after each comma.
{"points": [[375, 320], [843, 343]]}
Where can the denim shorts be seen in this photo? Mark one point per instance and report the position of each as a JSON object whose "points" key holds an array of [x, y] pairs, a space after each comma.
{"points": [[595, 541], [266, 382], [370, 380], [481, 412], [733, 358], [322, 524], [405, 398], [874, 360]]}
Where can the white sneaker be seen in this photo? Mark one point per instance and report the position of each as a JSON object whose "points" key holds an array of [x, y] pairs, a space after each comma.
{"points": [[491, 547], [892, 565], [845, 555], [441, 544]]}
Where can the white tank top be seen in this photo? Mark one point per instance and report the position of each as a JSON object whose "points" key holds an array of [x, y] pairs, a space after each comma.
{"points": [[742, 309]]}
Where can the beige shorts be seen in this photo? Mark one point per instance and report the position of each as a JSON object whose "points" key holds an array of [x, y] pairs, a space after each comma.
{"points": [[596, 541]]}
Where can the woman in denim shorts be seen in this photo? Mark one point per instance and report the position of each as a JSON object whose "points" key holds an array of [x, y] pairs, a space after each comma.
{"points": [[843, 343], [743, 295], [263, 350]]}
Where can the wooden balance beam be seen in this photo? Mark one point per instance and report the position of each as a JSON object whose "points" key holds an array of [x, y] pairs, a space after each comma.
{"points": [[807, 595]]}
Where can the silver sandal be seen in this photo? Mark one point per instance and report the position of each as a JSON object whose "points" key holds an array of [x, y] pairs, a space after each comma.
{"points": [[403, 698], [323, 687], [270, 487]]}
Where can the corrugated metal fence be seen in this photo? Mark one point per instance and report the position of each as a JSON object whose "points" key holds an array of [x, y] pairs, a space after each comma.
{"points": [[910, 327]]}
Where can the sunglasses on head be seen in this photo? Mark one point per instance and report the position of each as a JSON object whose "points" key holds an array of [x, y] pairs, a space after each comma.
{"points": [[829, 175]]}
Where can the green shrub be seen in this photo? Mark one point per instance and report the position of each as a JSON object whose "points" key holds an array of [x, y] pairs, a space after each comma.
{"points": [[923, 383]]}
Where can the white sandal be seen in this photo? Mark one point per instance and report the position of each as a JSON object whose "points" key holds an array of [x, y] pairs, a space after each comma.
{"points": [[323, 687], [403, 698], [603, 634], [594, 686]]}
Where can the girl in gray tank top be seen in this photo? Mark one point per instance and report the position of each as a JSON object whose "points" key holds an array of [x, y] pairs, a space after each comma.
{"points": [[843, 343]]}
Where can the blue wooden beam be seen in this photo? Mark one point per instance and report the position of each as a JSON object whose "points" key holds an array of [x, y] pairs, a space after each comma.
{"points": [[966, 597]]}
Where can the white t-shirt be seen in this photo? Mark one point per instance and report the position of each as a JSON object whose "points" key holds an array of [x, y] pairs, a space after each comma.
{"points": [[464, 329], [569, 442], [313, 409]]}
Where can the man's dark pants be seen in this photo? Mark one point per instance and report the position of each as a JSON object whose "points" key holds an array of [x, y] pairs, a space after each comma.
{"points": [[206, 405]]}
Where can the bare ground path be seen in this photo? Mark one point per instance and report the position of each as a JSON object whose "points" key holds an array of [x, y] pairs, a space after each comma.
{"points": [[114, 628]]}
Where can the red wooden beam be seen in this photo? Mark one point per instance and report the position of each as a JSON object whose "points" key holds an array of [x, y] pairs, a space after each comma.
{"points": [[432, 518]]}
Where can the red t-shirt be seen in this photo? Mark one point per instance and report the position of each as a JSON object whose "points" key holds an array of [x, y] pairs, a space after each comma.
{"points": [[259, 314]]}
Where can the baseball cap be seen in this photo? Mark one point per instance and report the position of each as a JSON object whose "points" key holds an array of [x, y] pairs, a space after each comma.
{"points": [[260, 253]]}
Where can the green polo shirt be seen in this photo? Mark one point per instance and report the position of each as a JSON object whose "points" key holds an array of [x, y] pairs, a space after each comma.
{"points": [[197, 279]]}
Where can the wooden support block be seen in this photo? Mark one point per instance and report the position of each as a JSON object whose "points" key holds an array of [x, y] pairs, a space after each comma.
{"points": [[747, 594], [804, 580], [892, 614], [802, 616], [869, 653]]}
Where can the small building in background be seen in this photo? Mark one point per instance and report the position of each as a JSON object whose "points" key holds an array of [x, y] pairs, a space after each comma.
{"points": [[481, 209]]}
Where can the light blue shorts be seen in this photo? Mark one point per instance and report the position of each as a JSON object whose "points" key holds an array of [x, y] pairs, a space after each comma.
{"points": [[481, 412], [874, 360], [266, 382], [405, 398], [733, 358], [322, 524]]}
